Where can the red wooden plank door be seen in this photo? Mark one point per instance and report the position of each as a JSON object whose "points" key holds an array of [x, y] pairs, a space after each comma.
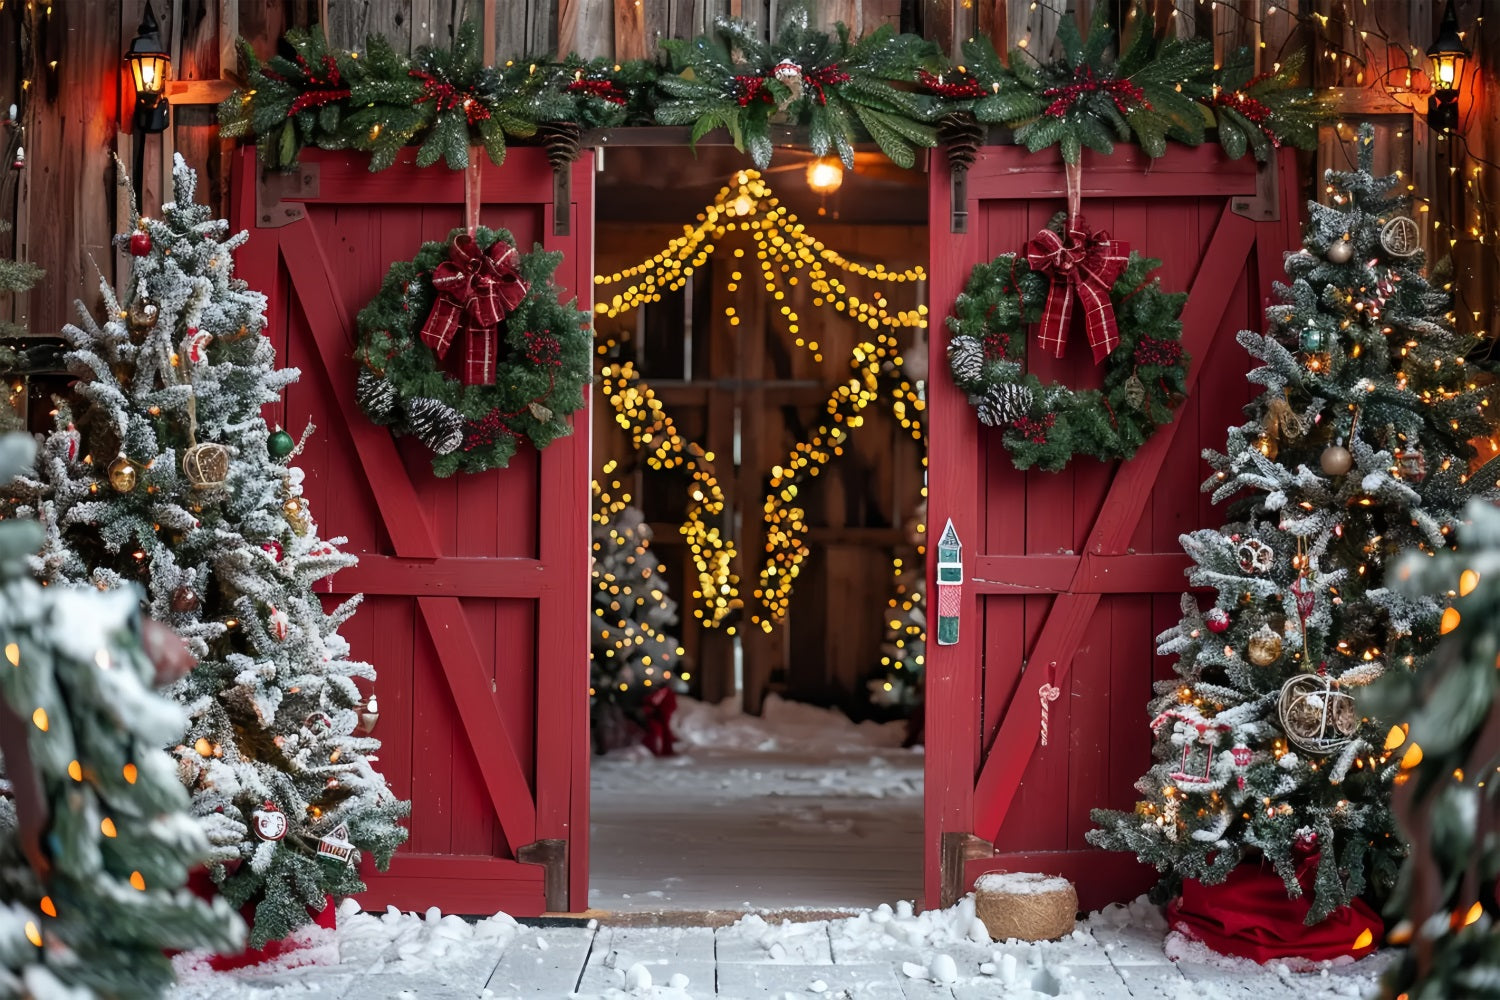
{"points": [[476, 586], [1069, 576]]}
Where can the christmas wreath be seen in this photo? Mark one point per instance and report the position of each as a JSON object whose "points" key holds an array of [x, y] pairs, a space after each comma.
{"points": [[1046, 425], [525, 356]]}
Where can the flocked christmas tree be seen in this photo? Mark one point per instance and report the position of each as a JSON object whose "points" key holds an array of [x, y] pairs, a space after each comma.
{"points": [[164, 474], [95, 835], [634, 658], [1446, 801], [1355, 452]]}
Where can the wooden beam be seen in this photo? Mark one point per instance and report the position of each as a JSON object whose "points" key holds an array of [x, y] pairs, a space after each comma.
{"points": [[631, 41], [187, 93]]}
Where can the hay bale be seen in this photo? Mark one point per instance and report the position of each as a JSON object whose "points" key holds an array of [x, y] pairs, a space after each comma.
{"points": [[1025, 905]]}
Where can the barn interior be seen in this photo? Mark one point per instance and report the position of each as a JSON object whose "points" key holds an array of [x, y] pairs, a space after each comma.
{"points": [[763, 397]]}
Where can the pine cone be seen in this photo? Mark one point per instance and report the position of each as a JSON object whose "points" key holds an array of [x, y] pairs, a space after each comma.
{"points": [[436, 424], [966, 359], [1003, 404], [375, 395], [962, 134], [563, 141]]}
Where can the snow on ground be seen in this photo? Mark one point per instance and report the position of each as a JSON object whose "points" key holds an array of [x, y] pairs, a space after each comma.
{"points": [[886, 953], [798, 809]]}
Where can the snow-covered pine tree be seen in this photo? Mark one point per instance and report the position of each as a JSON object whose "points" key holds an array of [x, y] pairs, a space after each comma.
{"points": [[1355, 452], [163, 473], [1448, 806], [633, 654], [95, 836]]}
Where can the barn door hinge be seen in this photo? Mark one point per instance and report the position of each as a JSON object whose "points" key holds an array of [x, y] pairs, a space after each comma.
{"points": [[959, 848], [1265, 204], [552, 855], [279, 195], [959, 207]]}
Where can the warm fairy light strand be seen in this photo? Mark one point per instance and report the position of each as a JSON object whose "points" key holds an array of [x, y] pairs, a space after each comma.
{"points": [[786, 520], [786, 252], [639, 411]]}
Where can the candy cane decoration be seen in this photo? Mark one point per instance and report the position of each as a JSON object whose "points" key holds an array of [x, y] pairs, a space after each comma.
{"points": [[1049, 693]]}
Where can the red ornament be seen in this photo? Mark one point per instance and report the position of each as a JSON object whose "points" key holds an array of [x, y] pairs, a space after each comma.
{"points": [[140, 243], [1217, 619], [272, 549], [1241, 755], [279, 625]]}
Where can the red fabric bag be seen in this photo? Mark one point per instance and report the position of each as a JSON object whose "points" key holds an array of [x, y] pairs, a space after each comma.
{"points": [[202, 886], [1250, 915]]}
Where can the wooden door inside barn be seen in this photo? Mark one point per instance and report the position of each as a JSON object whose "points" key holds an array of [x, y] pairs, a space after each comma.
{"points": [[1069, 576], [475, 586]]}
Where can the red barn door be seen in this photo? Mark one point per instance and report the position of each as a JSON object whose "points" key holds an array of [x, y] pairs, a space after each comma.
{"points": [[1069, 576], [476, 586]]}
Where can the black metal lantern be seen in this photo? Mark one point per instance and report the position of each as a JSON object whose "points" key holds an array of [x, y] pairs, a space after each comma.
{"points": [[150, 68], [1447, 55]]}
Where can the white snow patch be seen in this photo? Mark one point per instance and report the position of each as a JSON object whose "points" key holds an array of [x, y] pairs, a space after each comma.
{"points": [[1021, 883]]}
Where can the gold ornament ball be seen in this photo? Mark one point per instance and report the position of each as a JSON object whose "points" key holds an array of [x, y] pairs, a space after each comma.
{"points": [[122, 475], [1341, 251], [1336, 460], [1265, 646]]}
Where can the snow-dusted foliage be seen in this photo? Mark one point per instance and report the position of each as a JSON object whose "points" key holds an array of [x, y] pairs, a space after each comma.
{"points": [[95, 837], [1356, 451], [163, 473]]}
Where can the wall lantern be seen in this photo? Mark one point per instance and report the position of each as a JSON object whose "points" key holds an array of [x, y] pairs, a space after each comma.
{"points": [[825, 174], [1447, 55], [150, 68]]}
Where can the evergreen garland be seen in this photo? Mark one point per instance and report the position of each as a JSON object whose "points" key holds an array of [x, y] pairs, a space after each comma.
{"points": [[543, 365], [888, 87], [1145, 377], [829, 84], [1157, 89]]}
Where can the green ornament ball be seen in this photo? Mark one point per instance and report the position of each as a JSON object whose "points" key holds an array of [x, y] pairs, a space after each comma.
{"points": [[280, 444]]}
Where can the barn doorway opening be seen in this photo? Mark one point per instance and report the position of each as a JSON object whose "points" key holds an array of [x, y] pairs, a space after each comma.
{"points": [[759, 456]]}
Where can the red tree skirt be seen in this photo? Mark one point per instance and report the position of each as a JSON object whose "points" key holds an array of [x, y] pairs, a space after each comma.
{"points": [[1250, 915], [203, 887]]}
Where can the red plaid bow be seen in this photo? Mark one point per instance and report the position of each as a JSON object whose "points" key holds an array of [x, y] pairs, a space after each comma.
{"points": [[1084, 263], [476, 290]]}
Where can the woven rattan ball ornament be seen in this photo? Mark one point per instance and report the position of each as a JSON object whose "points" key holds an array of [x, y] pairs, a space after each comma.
{"points": [[1265, 646], [1255, 556], [206, 465], [122, 475], [1025, 906], [1400, 237], [142, 315], [1315, 715]]}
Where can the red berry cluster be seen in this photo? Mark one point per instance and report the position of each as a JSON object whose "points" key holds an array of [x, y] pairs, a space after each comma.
{"points": [[1248, 108], [606, 89], [828, 76], [1035, 431], [960, 85], [543, 348], [326, 88], [996, 345], [485, 431], [1165, 353], [1126, 95], [752, 88], [447, 97]]}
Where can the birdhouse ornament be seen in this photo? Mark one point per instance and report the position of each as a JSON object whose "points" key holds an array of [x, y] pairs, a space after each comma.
{"points": [[950, 584]]}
